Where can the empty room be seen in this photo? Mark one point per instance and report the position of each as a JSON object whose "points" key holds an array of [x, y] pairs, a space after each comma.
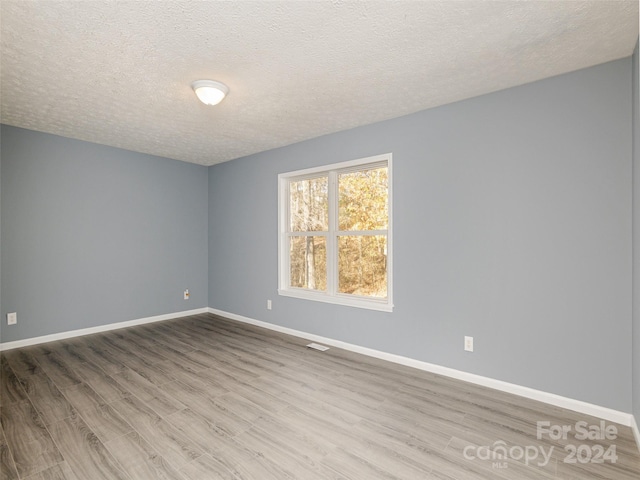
{"points": [[309, 240]]}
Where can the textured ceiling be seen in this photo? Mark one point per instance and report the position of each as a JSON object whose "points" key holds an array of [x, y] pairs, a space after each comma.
{"points": [[119, 72]]}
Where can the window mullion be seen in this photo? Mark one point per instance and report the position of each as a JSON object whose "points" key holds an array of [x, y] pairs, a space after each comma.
{"points": [[332, 242]]}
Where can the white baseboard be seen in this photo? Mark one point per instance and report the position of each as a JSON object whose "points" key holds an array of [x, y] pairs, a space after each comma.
{"points": [[636, 431], [100, 328], [605, 413]]}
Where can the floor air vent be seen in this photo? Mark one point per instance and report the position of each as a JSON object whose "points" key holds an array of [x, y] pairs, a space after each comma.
{"points": [[317, 346]]}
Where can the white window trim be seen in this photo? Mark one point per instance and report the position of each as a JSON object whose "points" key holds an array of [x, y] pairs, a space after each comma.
{"points": [[386, 304]]}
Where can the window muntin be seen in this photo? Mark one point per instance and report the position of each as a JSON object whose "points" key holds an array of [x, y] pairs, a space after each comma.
{"points": [[335, 235]]}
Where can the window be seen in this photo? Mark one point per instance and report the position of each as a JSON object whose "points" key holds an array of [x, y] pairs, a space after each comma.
{"points": [[335, 233]]}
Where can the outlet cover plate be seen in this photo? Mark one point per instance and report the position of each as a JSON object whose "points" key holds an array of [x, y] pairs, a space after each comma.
{"points": [[468, 344]]}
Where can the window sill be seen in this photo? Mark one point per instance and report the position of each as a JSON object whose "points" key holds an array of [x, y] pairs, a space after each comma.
{"points": [[358, 302]]}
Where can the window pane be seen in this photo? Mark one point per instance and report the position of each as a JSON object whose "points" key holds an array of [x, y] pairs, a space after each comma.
{"points": [[362, 265], [308, 205], [308, 262], [363, 200]]}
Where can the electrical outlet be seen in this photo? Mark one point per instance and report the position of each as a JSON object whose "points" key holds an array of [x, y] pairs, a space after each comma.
{"points": [[12, 318], [186, 294], [468, 344], [268, 304]]}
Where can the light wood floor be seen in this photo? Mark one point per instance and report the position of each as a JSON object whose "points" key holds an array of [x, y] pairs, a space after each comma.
{"points": [[206, 398]]}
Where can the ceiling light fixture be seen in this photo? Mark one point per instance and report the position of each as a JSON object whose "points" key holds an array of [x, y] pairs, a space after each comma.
{"points": [[210, 92]]}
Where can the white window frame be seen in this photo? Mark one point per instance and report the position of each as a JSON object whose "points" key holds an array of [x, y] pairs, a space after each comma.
{"points": [[332, 295]]}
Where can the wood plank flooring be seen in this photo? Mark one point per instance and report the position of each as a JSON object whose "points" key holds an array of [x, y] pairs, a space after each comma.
{"points": [[202, 397]]}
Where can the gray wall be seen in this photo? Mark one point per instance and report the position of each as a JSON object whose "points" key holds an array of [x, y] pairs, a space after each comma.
{"points": [[93, 235], [636, 236], [512, 223]]}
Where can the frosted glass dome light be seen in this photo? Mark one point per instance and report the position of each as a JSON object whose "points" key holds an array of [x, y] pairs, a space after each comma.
{"points": [[210, 92]]}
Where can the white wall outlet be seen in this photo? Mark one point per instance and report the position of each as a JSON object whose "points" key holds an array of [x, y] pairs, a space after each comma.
{"points": [[468, 344], [268, 304], [186, 294], [12, 318]]}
